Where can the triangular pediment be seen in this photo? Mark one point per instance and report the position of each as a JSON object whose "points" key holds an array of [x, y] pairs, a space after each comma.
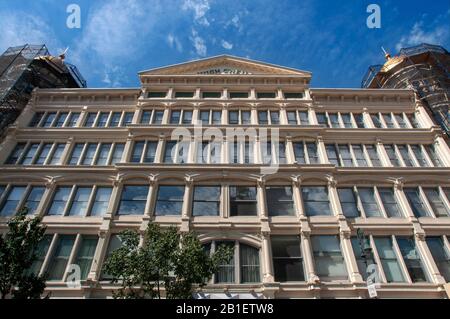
{"points": [[225, 65]]}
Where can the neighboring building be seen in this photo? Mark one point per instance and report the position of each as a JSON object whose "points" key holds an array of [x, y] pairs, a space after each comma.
{"points": [[93, 162], [25, 67], [424, 68]]}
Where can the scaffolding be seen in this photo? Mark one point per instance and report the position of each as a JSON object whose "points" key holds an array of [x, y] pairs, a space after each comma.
{"points": [[424, 68], [26, 67]]}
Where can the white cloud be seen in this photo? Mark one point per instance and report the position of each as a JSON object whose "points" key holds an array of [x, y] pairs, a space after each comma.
{"points": [[19, 28], [418, 35], [200, 9], [174, 42], [227, 45], [199, 44]]}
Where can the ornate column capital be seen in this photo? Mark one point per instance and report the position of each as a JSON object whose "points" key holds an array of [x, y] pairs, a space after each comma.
{"points": [[117, 181], [332, 182], [51, 182], [398, 183], [153, 179], [420, 236], [296, 180]]}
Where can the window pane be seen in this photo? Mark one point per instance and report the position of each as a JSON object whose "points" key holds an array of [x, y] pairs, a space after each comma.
{"points": [[150, 153], [145, 117], [420, 156], [362, 261], [373, 155], [299, 152], [233, 117], [346, 156], [102, 119], [359, 120], [76, 154], [36, 119], [249, 259], [263, 117], [304, 117], [61, 119], [80, 201], [431, 150], [416, 202], [56, 158], [388, 120], [315, 201], [359, 154], [11, 203], [90, 120], [368, 201], [103, 154], [405, 155], [390, 150], [347, 119], [34, 198], [226, 271], [441, 255], [243, 201], [115, 119], [389, 260], [348, 202], [312, 153], [115, 242], [322, 119], [334, 120], [137, 152], [168, 152], [274, 117], [128, 118], [101, 201], [45, 150], [389, 202], [175, 117], [436, 202], [29, 155], [90, 154], [187, 117], [292, 117], [400, 120], [59, 201], [280, 201], [85, 254], [245, 117], [206, 201], [60, 258], [169, 200], [16, 153], [412, 259], [133, 200], [217, 117], [376, 120], [40, 252], [117, 154], [328, 258], [287, 258], [158, 117], [73, 119], [332, 154], [204, 117], [48, 120]]}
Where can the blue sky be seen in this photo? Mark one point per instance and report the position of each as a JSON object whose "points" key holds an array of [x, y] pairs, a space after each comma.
{"points": [[119, 38]]}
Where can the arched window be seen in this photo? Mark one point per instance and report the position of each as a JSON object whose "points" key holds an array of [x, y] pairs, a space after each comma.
{"points": [[242, 268]]}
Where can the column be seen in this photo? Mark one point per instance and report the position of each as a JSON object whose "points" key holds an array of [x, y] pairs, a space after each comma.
{"points": [[266, 251], [283, 115], [261, 197], [254, 113], [422, 116], [311, 276], [151, 198], [296, 183], [442, 149], [384, 158], [321, 151], [290, 155], [6, 147], [128, 148], [187, 200], [159, 156], [349, 257], [403, 201], [67, 149], [252, 94], [334, 198], [366, 118], [50, 187], [99, 256], [137, 115], [312, 116]]}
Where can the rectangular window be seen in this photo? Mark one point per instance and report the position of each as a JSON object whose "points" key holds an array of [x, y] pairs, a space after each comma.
{"points": [[287, 258], [281, 153], [36, 119], [168, 152], [33, 199], [150, 152], [403, 149], [316, 201], [60, 258], [80, 201], [441, 255], [332, 154], [76, 154], [127, 118], [369, 202], [187, 117], [389, 259], [329, 262], [103, 154], [158, 117], [202, 153], [346, 156], [420, 156], [89, 154], [43, 153], [175, 117], [102, 119], [90, 120], [117, 154], [238, 95], [280, 201], [416, 202], [11, 203], [299, 152], [30, 154], [226, 271], [412, 259], [274, 117], [376, 120], [389, 202], [206, 201], [304, 117], [184, 95], [246, 117], [359, 119], [249, 260], [362, 262], [347, 119], [155, 95], [146, 117], [390, 150], [312, 153], [101, 201], [115, 119], [348, 202], [85, 255], [41, 253], [388, 120], [401, 120], [322, 119], [359, 154], [137, 152], [48, 120], [133, 200], [373, 155], [212, 95], [169, 200], [233, 117], [293, 95], [334, 120], [59, 201], [56, 157], [16, 154], [73, 119], [436, 202], [431, 150], [266, 95], [115, 242], [413, 120], [263, 117], [204, 117], [292, 117], [243, 201], [216, 117], [61, 119]]}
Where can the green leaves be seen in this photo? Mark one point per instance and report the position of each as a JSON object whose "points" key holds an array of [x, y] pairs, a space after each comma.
{"points": [[167, 258], [17, 254]]}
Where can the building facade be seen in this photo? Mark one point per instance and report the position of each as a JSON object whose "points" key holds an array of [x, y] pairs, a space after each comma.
{"points": [[189, 148]]}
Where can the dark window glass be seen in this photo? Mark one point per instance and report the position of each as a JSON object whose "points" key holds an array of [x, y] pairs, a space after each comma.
{"points": [[299, 152], [60, 258], [73, 119], [416, 202], [441, 255], [287, 259], [316, 201], [175, 117], [137, 152], [369, 202], [233, 117], [145, 117], [359, 119], [85, 255], [243, 201], [348, 202], [249, 260], [390, 150], [48, 120], [128, 118], [390, 202], [36, 119], [420, 156], [102, 119], [61, 119], [212, 95], [59, 201], [103, 154], [376, 120], [293, 95], [90, 120], [280, 201], [263, 117], [11, 203], [322, 119], [239, 95], [16, 154], [30, 154], [332, 154], [169, 200], [101, 201], [33, 199], [412, 259], [206, 201], [115, 119], [389, 259], [133, 200], [436, 202], [373, 155], [328, 258], [184, 95], [266, 95], [156, 94], [312, 153]]}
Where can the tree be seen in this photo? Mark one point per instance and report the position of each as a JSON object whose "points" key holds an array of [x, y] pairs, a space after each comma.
{"points": [[17, 253], [167, 258]]}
